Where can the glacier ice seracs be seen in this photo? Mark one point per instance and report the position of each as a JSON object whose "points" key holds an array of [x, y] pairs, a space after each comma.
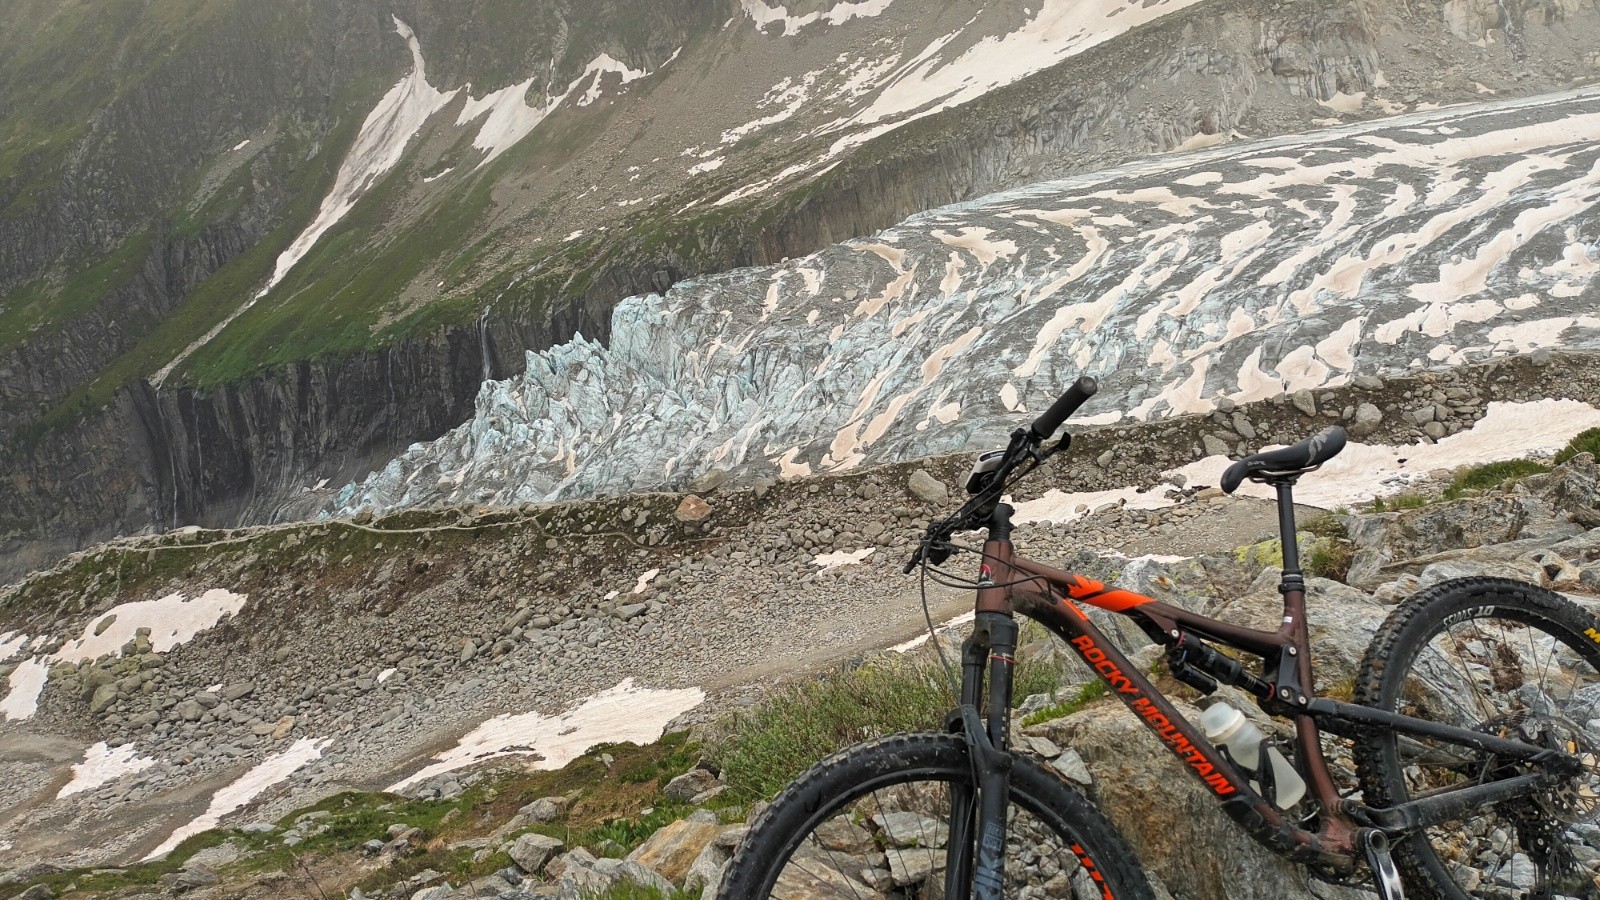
{"points": [[1430, 239]]}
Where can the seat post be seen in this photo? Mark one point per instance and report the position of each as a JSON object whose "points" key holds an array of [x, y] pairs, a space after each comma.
{"points": [[1293, 578]]}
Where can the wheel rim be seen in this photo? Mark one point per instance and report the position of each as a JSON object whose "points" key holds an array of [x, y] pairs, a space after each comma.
{"points": [[1520, 676]]}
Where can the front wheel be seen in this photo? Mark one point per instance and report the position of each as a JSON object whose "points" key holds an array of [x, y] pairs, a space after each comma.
{"points": [[1512, 660], [873, 822]]}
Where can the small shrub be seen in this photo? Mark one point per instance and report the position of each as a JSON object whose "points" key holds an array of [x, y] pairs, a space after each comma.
{"points": [[1587, 441], [631, 832], [1327, 525], [1329, 557], [1398, 502], [1491, 475]]}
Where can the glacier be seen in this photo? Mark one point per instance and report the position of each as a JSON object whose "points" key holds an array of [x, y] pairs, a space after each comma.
{"points": [[1430, 239]]}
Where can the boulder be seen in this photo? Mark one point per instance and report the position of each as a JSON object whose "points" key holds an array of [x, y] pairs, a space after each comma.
{"points": [[692, 509], [689, 784], [1164, 813], [927, 488], [531, 851], [673, 848]]}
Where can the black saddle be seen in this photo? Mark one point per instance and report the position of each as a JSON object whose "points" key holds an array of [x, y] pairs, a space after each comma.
{"points": [[1286, 461]]}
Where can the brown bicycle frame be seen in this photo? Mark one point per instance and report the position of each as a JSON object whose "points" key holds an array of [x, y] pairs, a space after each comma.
{"points": [[1050, 597]]}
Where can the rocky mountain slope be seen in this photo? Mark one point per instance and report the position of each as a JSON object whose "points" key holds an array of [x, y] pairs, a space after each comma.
{"points": [[155, 687], [322, 257]]}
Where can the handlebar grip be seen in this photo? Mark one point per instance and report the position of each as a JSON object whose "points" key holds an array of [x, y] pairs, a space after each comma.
{"points": [[1065, 405]]}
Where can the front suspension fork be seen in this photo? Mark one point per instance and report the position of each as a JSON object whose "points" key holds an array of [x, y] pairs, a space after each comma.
{"points": [[980, 875]]}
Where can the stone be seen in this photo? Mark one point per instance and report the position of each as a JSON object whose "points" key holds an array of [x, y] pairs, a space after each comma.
{"points": [[673, 848], [619, 870], [532, 851], [189, 877], [841, 835], [1304, 401], [545, 809], [238, 691], [435, 892], [1366, 420], [911, 829], [1164, 812], [104, 696], [927, 488], [913, 865], [37, 892], [692, 509], [1072, 768], [1214, 446], [689, 784]]}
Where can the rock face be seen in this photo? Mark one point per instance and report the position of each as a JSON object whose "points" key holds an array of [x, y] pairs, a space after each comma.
{"points": [[83, 460], [950, 327]]}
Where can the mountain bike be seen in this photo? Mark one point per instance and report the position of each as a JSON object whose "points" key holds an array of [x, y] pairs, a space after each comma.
{"points": [[1475, 729]]}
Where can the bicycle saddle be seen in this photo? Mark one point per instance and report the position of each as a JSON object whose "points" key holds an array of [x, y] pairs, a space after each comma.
{"points": [[1302, 457]]}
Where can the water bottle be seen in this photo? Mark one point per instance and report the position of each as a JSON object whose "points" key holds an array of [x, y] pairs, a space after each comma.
{"points": [[1227, 729]]}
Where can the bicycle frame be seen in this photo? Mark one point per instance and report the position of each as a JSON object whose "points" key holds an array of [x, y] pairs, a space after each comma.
{"points": [[1010, 584]]}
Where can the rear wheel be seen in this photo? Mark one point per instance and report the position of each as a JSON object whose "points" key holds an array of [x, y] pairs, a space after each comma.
{"points": [[1509, 659], [874, 821]]}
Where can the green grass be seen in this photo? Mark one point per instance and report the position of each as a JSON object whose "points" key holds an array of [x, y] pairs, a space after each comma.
{"points": [[762, 749], [1398, 502], [1478, 479], [39, 306], [630, 891], [1087, 694], [1587, 441]]}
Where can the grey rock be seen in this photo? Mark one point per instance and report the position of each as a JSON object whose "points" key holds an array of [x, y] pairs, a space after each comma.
{"points": [[1072, 767], [689, 784], [1304, 401], [1366, 420], [532, 851], [237, 691], [927, 488]]}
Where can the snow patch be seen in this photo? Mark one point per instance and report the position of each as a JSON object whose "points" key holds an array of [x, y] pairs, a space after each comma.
{"points": [[23, 687], [764, 15], [1361, 472], [623, 713], [644, 580], [102, 765], [11, 643], [965, 618], [172, 620], [840, 558], [250, 785]]}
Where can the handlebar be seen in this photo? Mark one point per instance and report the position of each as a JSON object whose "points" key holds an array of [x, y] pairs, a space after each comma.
{"points": [[1024, 448], [1065, 405]]}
